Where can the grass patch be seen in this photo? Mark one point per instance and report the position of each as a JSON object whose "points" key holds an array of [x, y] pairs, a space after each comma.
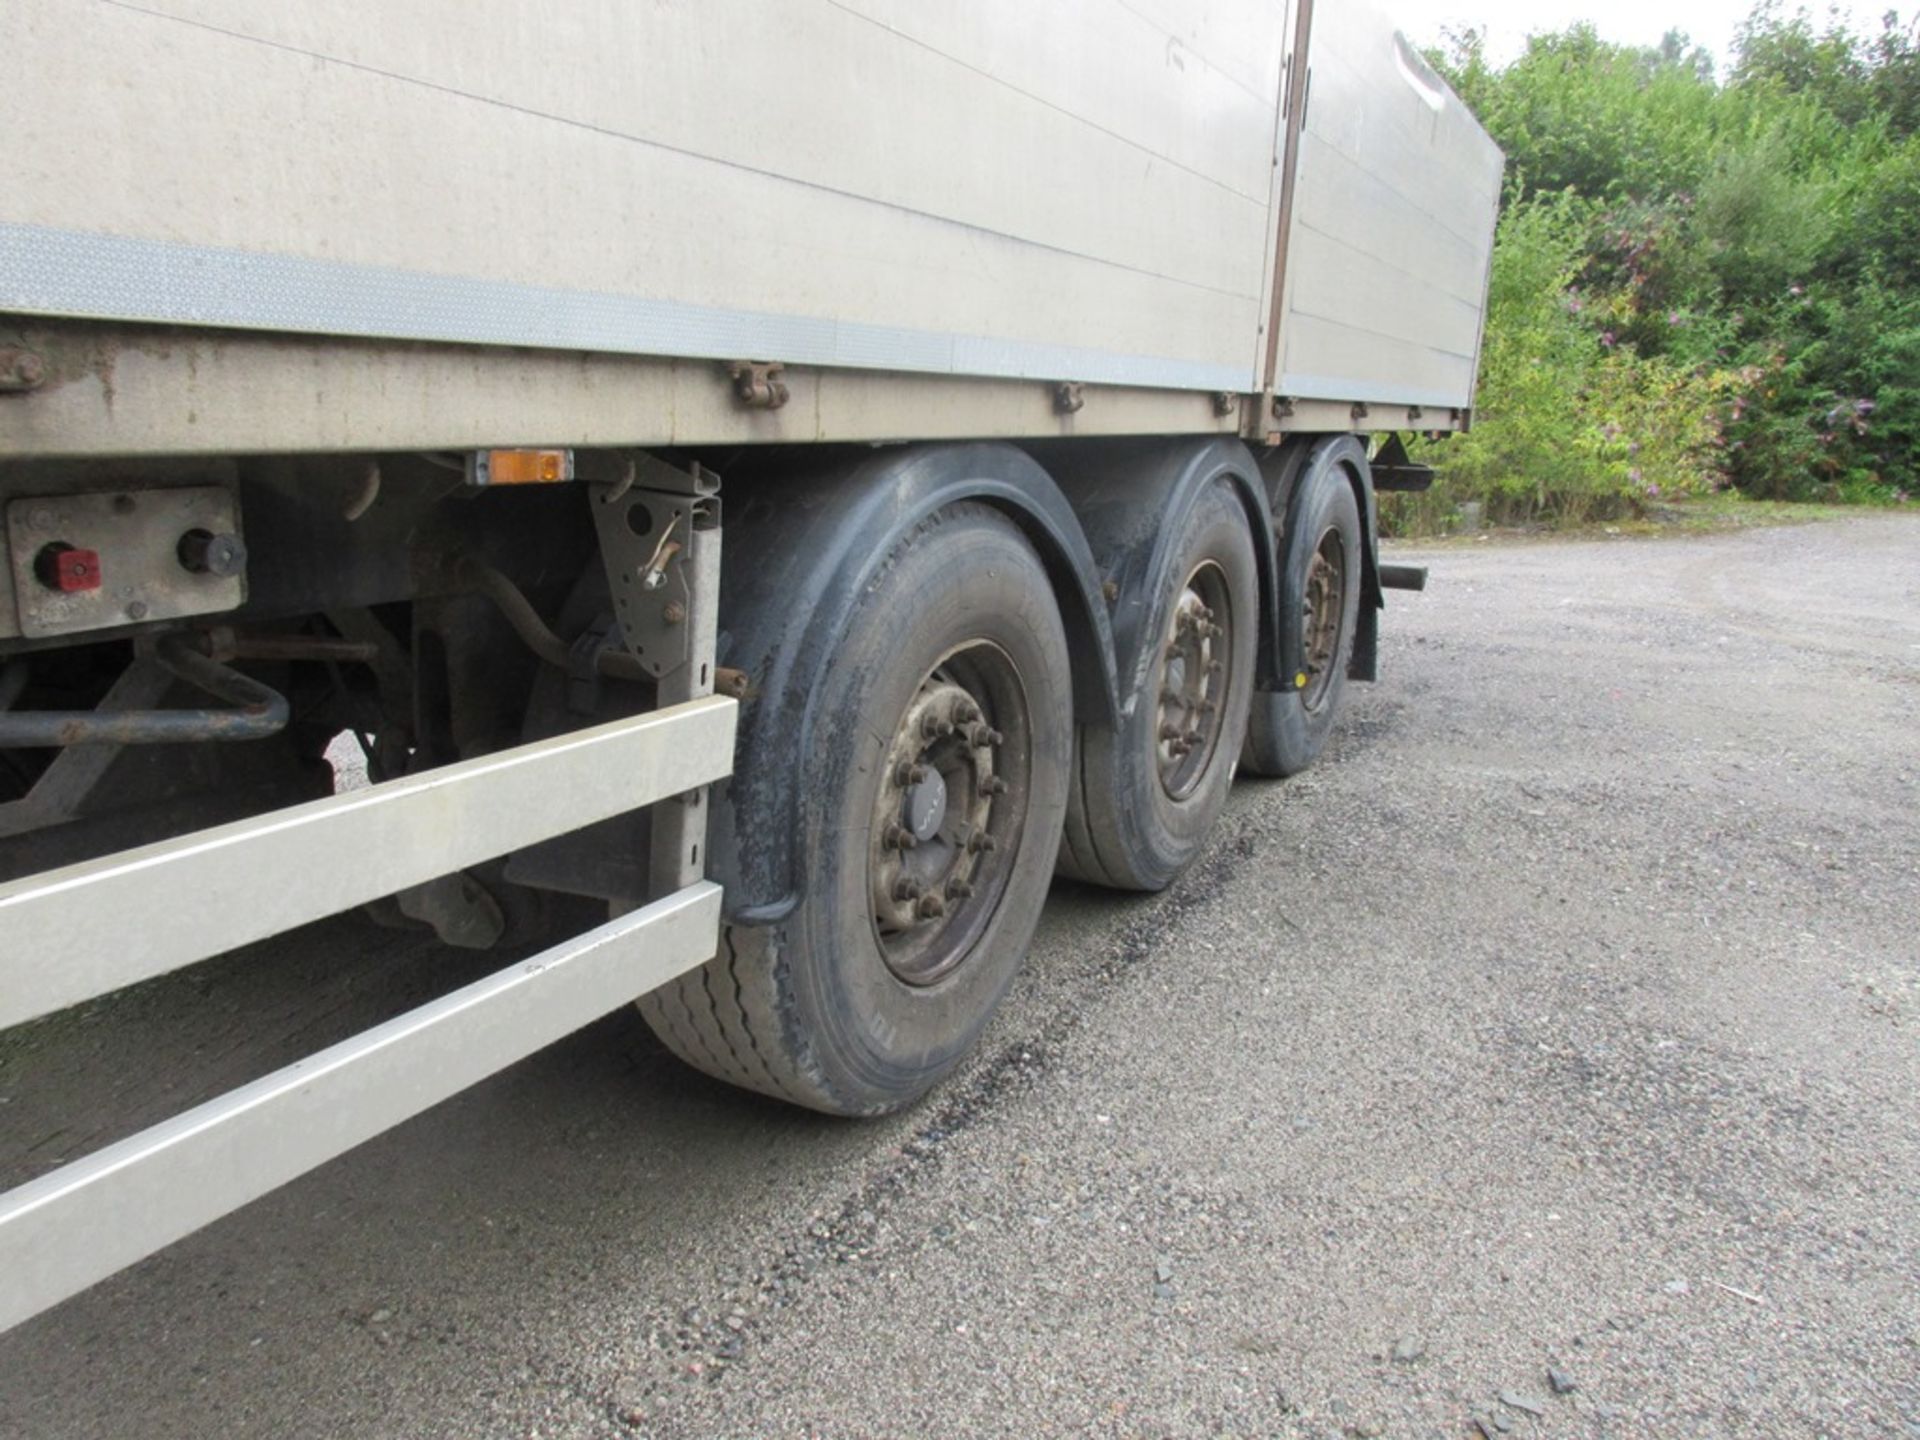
{"points": [[1702, 515]]}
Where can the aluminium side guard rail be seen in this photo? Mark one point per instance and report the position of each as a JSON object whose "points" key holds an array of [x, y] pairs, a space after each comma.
{"points": [[72, 934]]}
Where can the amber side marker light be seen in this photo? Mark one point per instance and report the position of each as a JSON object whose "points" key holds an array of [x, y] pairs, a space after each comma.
{"points": [[519, 467]]}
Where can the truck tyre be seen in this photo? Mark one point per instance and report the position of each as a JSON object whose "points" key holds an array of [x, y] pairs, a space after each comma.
{"points": [[930, 816], [1147, 793], [1320, 573]]}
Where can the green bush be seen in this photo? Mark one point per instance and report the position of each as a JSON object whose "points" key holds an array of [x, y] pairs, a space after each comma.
{"points": [[1697, 284], [1570, 425]]}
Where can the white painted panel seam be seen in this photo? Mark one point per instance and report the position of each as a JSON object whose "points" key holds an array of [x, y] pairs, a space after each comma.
{"points": [[1005, 84], [1341, 322], [1335, 150]]}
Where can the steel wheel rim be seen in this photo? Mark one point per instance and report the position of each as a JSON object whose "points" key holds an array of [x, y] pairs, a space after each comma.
{"points": [[1194, 675], [949, 814], [1322, 615]]}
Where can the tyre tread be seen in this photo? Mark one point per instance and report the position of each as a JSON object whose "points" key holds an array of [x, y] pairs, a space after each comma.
{"points": [[721, 1033]]}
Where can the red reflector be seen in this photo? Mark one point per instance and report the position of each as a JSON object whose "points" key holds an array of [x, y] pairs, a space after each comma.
{"points": [[68, 569]]}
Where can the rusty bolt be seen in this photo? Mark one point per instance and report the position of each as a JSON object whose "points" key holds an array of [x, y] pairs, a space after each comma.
{"points": [[674, 612], [907, 773], [959, 890], [908, 889], [21, 370], [934, 728], [982, 843], [897, 837], [994, 785]]}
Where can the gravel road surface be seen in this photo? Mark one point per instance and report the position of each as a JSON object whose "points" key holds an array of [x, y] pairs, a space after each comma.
{"points": [[1568, 1017]]}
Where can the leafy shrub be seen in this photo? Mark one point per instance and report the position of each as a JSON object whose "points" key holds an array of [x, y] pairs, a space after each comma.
{"points": [[1696, 284]]}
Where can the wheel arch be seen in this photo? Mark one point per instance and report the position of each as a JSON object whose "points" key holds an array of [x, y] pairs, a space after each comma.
{"points": [[803, 541], [1124, 493]]}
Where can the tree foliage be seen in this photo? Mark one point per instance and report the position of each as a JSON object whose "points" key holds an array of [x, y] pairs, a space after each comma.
{"points": [[1703, 278]]}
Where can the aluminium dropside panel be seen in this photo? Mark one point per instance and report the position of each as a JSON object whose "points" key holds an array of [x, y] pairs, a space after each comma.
{"points": [[1077, 190], [1391, 237]]}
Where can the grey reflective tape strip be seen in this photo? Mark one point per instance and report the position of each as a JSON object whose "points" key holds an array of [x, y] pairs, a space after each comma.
{"points": [[46, 271], [1328, 387]]}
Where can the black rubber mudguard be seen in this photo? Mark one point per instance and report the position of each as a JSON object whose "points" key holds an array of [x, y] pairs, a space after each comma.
{"points": [[803, 537]]}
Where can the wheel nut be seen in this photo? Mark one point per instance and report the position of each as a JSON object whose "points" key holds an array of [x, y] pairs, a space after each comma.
{"points": [[994, 785], [907, 773], [897, 837], [908, 889], [966, 712], [1170, 733], [959, 890], [932, 907], [934, 728], [982, 843]]}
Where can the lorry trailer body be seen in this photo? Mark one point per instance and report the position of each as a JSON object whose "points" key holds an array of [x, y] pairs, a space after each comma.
{"points": [[390, 376]]}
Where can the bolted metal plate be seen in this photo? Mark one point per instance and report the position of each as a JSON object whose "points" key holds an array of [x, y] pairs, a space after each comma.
{"points": [[137, 534]]}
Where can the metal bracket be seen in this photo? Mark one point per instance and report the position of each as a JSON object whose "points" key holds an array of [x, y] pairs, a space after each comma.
{"points": [[1069, 398], [1394, 470], [653, 525]]}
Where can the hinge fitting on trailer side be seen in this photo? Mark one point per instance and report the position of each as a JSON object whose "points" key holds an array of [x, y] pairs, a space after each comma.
{"points": [[20, 371], [760, 384]]}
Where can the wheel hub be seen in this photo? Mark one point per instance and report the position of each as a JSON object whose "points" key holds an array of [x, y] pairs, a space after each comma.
{"points": [[1193, 682], [933, 840], [1320, 617]]}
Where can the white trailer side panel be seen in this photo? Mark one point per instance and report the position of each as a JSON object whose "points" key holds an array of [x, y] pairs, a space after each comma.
{"points": [[1077, 190], [1391, 237]]}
